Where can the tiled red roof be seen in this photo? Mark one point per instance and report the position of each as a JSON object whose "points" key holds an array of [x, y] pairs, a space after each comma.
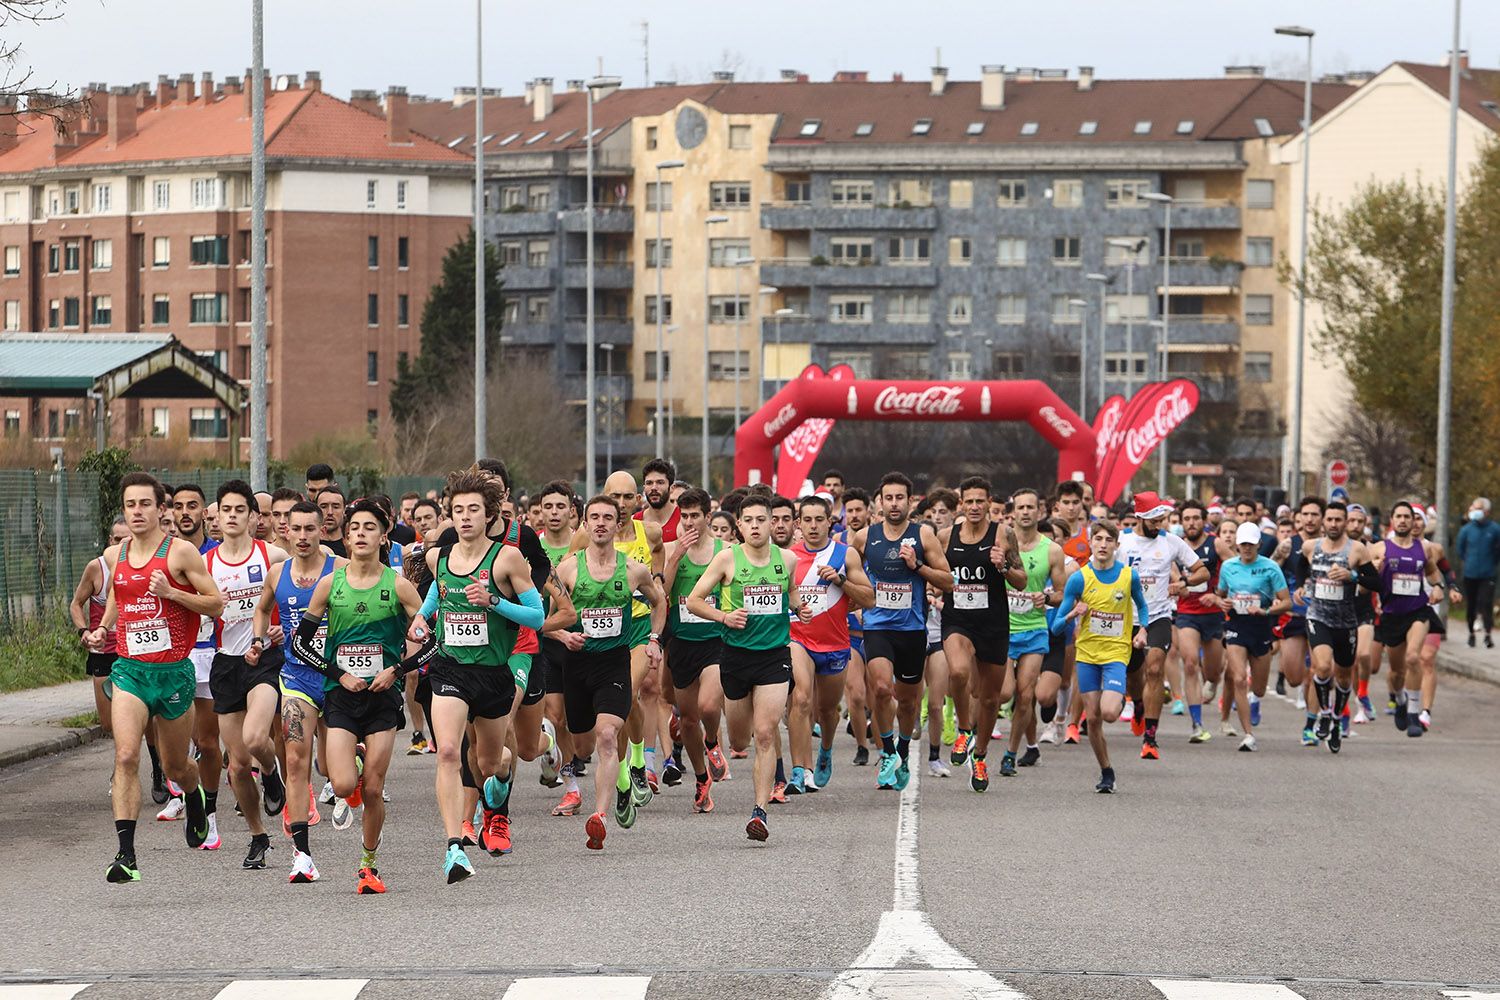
{"points": [[1478, 89]]}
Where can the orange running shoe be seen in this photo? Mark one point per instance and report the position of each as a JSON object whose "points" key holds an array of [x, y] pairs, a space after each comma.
{"points": [[1138, 726], [369, 882], [960, 753], [778, 793], [1149, 751], [702, 801], [495, 837], [569, 806], [596, 830], [979, 774], [739, 754], [1072, 734], [718, 767], [313, 818], [470, 837]]}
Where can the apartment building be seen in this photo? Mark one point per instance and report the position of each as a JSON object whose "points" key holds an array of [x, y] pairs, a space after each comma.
{"points": [[134, 215]]}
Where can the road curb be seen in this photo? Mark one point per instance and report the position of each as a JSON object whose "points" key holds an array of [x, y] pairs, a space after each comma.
{"points": [[1454, 665], [66, 739]]}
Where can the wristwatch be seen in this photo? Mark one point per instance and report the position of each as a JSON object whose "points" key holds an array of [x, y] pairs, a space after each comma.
{"points": [[843, 579], [654, 637], [258, 640]]}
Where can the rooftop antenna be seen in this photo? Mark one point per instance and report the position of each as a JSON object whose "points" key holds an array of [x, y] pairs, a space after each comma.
{"points": [[646, 51]]}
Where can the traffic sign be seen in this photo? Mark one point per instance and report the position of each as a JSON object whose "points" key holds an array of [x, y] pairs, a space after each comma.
{"points": [[1338, 472], [1196, 469], [1339, 493]]}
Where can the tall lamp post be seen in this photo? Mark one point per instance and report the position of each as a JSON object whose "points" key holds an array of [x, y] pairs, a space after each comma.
{"points": [[481, 402], [712, 220], [1445, 334], [661, 313], [1294, 466], [1103, 281], [1083, 350], [737, 264], [760, 352], [1134, 247], [609, 414], [1164, 351], [777, 318], [591, 443]]}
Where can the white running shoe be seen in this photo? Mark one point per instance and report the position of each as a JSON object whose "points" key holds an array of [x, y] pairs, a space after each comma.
{"points": [[938, 769], [1360, 718], [1128, 713], [326, 796], [1227, 729], [551, 759], [996, 733], [1208, 692], [212, 841], [343, 815], [1248, 744], [1048, 733], [172, 810], [1301, 700], [303, 869], [1425, 718]]}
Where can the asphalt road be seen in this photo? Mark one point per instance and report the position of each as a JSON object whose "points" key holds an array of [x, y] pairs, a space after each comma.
{"points": [[1366, 876]]}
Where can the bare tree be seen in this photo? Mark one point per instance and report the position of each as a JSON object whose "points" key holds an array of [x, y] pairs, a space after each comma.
{"points": [[18, 81], [1378, 447]]}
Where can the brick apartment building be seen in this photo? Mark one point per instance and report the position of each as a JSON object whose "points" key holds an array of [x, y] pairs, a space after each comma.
{"points": [[134, 216]]}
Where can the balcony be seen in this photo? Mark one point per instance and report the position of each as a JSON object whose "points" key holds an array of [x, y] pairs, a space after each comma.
{"points": [[607, 330], [803, 272], [607, 219], [1204, 275], [520, 276], [616, 386], [610, 274], [821, 330], [1210, 213], [1203, 328], [520, 222], [800, 215], [1212, 388]]}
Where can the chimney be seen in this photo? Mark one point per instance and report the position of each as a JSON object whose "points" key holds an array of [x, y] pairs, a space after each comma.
{"points": [[166, 91], [314, 80], [1085, 78], [723, 76], [206, 85], [143, 96], [231, 86], [185, 87], [96, 107], [249, 90], [851, 76], [789, 76], [365, 100], [991, 87], [1244, 72], [610, 85], [397, 125], [575, 86], [287, 81], [8, 136], [664, 83], [898, 77], [462, 96], [541, 98], [1463, 60], [526, 96], [121, 115], [939, 80]]}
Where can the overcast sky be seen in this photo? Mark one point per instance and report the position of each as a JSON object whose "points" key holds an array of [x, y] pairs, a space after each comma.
{"points": [[427, 45]]}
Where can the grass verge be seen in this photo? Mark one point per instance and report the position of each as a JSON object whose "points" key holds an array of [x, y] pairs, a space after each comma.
{"points": [[40, 651]]}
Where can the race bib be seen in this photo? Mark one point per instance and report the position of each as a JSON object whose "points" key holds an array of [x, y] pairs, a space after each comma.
{"points": [[1328, 590], [361, 659], [814, 598], [1108, 624], [601, 623], [763, 599], [239, 606], [1406, 584], [893, 596], [1198, 588], [687, 617], [1246, 604], [466, 628], [320, 640], [972, 597], [146, 637], [1020, 603]]}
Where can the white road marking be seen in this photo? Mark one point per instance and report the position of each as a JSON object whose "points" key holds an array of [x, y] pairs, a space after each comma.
{"points": [[37, 991], [906, 937], [292, 989], [579, 988], [1199, 989], [1470, 995]]}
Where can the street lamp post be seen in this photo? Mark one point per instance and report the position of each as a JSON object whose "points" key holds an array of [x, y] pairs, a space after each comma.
{"points": [[1083, 351], [661, 319], [609, 414], [712, 220], [481, 401], [1164, 350], [785, 311], [1294, 466], [1134, 246], [1103, 282], [1445, 334], [591, 443], [738, 263], [259, 426], [760, 352]]}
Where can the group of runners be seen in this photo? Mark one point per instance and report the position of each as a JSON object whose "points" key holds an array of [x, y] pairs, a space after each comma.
{"points": [[639, 631]]}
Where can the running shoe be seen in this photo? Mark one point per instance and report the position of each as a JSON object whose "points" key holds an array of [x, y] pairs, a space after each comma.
{"points": [[885, 776], [796, 784], [255, 858], [1309, 737], [356, 798], [640, 789], [674, 726], [1208, 692], [1335, 740], [823, 771], [551, 759], [1030, 757], [997, 733], [272, 791], [959, 755], [1106, 785], [303, 869], [1083, 728], [343, 814], [326, 796], [456, 864], [1325, 723], [1137, 725], [313, 817], [950, 721], [123, 869], [596, 829], [1360, 718], [1414, 725], [1200, 735], [624, 809], [1255, 711], [1008, 708], [1072, 734], [938, 769], [923, 720], [1226, 728], [1048, 733], [1127, 714], [703, 802], [1281, 684], [757, 829], [778, 793], [1149, 750], [494, 836], [861, 756], [470, 838], [198, 821], [1178, 707], [569, 805], [1301, 702], [173, 811], [418, 744], [369, 883], [1007, 765], [738, 754], [1248, 744], [671, 773], [718, 767], [1401, 714], [1390, 707], [212, 841], [1365, 704], [979, 774], [159, 793], [652, 781], [1425, 718], [903, 774]]}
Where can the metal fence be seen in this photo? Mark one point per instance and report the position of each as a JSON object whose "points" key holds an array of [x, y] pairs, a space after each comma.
{"points": [[50, 527]]}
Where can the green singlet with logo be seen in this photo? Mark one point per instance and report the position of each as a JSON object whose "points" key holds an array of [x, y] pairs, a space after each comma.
{"points": [[764, 592], [683, 623], [366, 628], [469, 634], [1024, 615], [604, 611]]}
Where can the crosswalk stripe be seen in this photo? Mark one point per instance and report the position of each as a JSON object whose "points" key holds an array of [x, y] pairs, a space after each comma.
{"points": [[579, 988], [37, 991], [1470, 995], [1198, 989], [292, 989]]}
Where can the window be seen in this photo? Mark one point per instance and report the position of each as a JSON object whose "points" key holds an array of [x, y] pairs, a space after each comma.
{"points": [[161, 251], [72, 256], [852, 250], [1263, 128], [207, 423], [864, 128], [1258, 310], [861, 362], [666, 310], [809, 127], [1011, 252], [974, 128], [909, 250], [1259, 251], [372, 422], [72, 311], [510, 254], [71, 200], [728, 309], [910, 192], [907, 364], [798, 192], [538, 252], [650, 136], [216, 359], [659, 196], [1119, 308], [403, 252], [659, 256], [1012, 194], [1066, 364], [372, 367], [102, 197], [1063, 309], [1260, 194], [72, 420], [54, 314], [729, 195], [101, 255], [739, 136], [960, 365], [1067, 194], [1143, 127], [510, 199], [102, 311], [538, 197], [1124, 194], [1028, 128], [1088, 128], [510, 311], [207, 192], [960, 251], [960, 194], [960, 309], [851, 194], [161, 195], [849, 308], [1011, 308], [209, 308], [401, 195], [921, 126], [12, 423], [1066, 251], [54, 259], [1007, 364], [12, 314], [54, 430], [725, 252], [651, 369], [1188, 248], [372, 193], [1137, 253], [12, 206], [1119, 365], [1257, 366], [1255, 420], [208, 251], [909, 307], [161, 310], [372, 309], [1185, 127], [538, 308], [403, 310], [728, 366], [13, 261], [372, 251]]}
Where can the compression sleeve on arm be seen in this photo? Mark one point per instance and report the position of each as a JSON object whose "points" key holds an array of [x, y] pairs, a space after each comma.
{"points": [[1446, 568], [1368, 577], [305, 649], [527, 613], [1072, 593], [1142, 616], [430, 603]]}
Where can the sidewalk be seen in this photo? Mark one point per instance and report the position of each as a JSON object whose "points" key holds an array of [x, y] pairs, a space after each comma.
{"points": [[1456, 657], [27, 718]]}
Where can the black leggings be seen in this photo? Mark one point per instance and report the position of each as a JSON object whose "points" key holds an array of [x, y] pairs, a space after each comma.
{"points": [[1479, 595]]}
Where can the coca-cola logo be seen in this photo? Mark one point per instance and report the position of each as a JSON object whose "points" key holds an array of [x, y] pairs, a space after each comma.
{"points": [[1171, 410], [938, 400], [807, 439], [1056, 422], [784, 416], [1108, 428]]}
